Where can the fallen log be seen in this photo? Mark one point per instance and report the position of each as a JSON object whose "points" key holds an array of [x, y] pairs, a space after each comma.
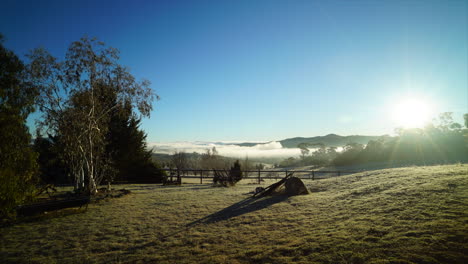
{"points": [[37, 208], [268, 190]]}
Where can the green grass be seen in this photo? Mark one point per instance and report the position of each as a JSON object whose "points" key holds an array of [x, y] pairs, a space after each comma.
{"points": [[405, 215]]}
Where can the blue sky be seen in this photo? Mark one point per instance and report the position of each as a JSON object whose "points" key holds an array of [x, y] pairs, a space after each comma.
{"points": [[267, 70]]}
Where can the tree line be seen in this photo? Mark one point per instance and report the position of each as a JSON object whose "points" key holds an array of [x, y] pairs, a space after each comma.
{"points": [[207, 161], [442, 141], [89, 130]]}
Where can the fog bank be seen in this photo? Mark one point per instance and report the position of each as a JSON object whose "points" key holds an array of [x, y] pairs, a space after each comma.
{"points": [[265, 150]]}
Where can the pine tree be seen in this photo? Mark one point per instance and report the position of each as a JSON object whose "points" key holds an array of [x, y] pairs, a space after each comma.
{"points": [[127, 149]]}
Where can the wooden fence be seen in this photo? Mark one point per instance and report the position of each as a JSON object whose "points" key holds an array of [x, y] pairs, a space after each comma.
{"points": [[258, 175]]}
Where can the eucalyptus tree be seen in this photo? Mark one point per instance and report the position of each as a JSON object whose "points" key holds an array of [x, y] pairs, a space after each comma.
{"points": [[212, 160], [304, 147], [75, 101], [180, 160]]}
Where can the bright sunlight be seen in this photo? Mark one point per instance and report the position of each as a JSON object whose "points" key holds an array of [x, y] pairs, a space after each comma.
{"points": [[412, 113]]}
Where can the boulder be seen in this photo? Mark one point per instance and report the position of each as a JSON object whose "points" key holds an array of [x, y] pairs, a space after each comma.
{"points": [[294, 186]]}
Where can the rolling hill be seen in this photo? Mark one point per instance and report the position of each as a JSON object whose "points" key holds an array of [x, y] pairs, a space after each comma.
{"points": [[404, 215]]}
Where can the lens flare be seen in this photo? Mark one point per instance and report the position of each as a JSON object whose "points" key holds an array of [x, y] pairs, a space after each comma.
{"points": [[412, 113]]}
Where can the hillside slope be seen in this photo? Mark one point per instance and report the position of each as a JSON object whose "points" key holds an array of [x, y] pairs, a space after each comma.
{"points": [[404, 215]]}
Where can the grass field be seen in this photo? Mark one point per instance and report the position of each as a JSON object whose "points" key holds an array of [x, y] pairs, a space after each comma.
{"points": [[405, 215]]}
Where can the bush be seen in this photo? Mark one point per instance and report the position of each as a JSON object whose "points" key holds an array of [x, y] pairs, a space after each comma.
{"points": [[18, 166], [230, 178], [13, 191]]}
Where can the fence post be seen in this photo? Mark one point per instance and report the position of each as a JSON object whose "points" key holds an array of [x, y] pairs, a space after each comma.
{"points": [[179, 181], [259, 179], [201, 176], [286, 172], [313, 175]]}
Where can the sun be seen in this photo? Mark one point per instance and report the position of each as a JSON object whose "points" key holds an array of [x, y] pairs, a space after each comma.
{"points": [[412, 113]]}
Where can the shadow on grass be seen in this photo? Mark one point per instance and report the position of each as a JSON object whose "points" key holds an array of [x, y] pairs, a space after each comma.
{"points": [[44, 216], [188, 186], [245, 206]]}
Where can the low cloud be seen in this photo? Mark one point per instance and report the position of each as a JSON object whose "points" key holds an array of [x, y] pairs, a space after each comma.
{"points": [[266, 150]]}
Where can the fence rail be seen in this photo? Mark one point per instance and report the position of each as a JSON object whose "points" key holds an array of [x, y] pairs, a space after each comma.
{"points": [[259, 175]]}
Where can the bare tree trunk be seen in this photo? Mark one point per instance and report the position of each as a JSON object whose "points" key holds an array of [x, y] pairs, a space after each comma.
{"points": [[76, 175], [82, 178], [77, 172], [92, 185], [91, 175]]}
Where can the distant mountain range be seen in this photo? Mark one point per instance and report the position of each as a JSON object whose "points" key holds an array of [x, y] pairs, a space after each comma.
{"points": [[330, 140]]}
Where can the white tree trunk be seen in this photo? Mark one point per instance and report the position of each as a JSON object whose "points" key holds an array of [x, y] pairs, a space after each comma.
{"points": [[82, 178]]}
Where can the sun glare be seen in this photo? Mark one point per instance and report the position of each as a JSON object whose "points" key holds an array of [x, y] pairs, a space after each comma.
{"points": [[412, 113]]}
